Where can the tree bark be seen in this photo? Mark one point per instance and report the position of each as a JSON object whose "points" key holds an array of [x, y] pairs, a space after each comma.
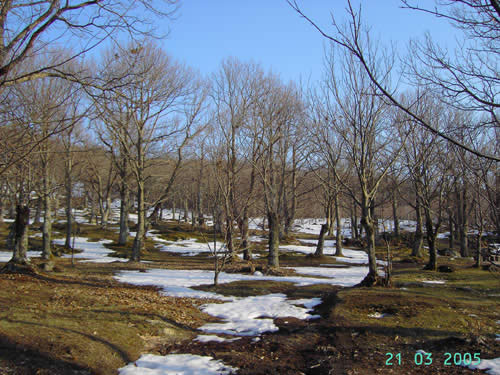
{"points": [[141, 224], [478, 249], [186, 214], [367, 222], [47, 229], [338, 241], [321, 240], [124, 208], [38, 212], [245, 245], [418, 239], [21, 226], [395, 215], [47, 219], [451, 239], [354, 222], [274, 239], [69, 193], [462, 220], [431, 233]]}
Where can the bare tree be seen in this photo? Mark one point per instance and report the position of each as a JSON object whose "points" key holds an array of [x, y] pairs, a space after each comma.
{"points": [[359, 118], [163, 102], [235, 92], [429, 172], [471, 80], [29, 27], [278, 114]]}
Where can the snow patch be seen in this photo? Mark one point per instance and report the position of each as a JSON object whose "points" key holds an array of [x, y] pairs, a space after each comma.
{"points": [[208, 338], [252, 316], [176, 364], [5, 256], [492, 366], [93, 252]]}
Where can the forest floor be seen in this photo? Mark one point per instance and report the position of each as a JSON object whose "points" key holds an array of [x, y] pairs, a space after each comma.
{"points": [[79, 319]]}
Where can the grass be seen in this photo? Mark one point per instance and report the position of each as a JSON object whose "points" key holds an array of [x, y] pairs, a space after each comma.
{"points": [[80, 314]]}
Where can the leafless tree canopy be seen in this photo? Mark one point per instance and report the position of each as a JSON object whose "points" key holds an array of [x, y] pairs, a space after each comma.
{"points": [[29, 27]]}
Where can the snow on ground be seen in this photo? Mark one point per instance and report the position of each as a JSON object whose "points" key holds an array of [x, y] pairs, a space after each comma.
{"points": [[347, 276], [377, 315], [176, 364], [93, 252], [251, 316], [208, 338], [242, 315], [188, 247], [5, 256], [176, 281], [349, 256], [492, 366], [434, 281], [254, 255], [327, 243]]}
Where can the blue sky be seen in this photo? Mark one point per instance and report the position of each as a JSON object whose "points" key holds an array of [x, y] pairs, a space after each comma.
{"points": [[271, 33]]}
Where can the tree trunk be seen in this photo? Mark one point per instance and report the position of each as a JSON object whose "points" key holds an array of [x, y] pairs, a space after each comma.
{"points": [[124, 208], [229, 236], [451, 239], [141, 224], [354, 222], [69, 218], [47, 219], [478, 249], [38, 212], [92, 215], [21, 226], [274, 239], [330, 219], [464, 243], [338, 220], [47, 228], [321, 240], [186, 215], [218, 220], [462, 220], [367, 222], [418, 239], [395, 215], [245, 245], [431, 234]]}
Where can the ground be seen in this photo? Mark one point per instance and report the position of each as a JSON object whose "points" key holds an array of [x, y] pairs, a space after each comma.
{"points": [[79, 320]]}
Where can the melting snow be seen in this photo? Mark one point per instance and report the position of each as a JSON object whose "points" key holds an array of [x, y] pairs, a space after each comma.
{"points": [[93, 252], [208, 338], [177, 283], [252, 316], [176, 364], [378, 315], [492, 366], [5, 256], [188, 247]]}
